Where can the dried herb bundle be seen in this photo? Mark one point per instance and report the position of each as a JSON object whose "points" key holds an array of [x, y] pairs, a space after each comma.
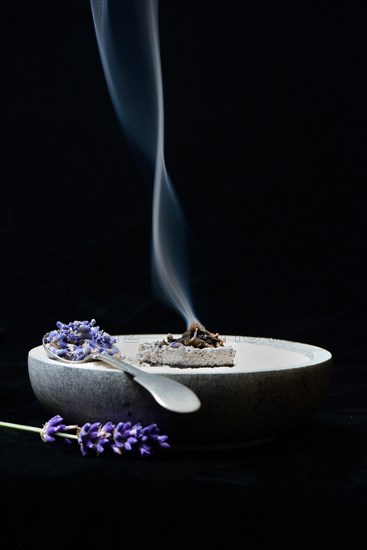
{"points": [[196, 336]]}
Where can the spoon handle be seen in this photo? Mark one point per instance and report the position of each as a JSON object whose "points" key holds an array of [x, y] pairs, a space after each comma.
{"points": [[118, 363], [170, 394]]}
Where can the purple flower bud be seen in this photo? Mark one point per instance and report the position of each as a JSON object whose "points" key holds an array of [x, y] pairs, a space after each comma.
{"points": [[94, 437], [52, 427], [175, 345]]}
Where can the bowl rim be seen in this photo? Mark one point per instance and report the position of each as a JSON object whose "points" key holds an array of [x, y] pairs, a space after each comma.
{"points": [[315, 355]]}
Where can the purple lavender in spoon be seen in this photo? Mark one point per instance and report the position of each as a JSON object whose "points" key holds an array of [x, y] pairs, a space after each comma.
{"points": [[76, 340]]}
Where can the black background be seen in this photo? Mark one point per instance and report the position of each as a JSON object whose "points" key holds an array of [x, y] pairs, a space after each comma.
{"points": [[266, 129], [265, 133]]}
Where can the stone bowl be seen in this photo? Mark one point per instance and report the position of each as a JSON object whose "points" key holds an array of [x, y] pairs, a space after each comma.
{"points": [[273, 386]]}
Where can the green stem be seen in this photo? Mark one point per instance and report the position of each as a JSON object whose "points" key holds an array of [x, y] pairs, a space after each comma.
{"points": [[34, 429]]}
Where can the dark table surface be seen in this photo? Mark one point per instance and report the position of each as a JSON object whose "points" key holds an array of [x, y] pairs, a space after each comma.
{"points": [[322, 461], [314, 476]]}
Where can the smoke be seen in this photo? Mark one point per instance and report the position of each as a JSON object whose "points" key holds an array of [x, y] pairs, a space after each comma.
{"points": [[128, 40]]}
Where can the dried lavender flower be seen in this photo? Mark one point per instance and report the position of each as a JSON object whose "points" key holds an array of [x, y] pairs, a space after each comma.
{"points": [[51, 428], [76, 340], [122, 437], [145, 440], [95, 438], [148, 438], [195, 336], [123, 440]]}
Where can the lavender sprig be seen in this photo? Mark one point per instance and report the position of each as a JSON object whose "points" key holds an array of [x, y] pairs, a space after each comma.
{"points": [[96, 438]]}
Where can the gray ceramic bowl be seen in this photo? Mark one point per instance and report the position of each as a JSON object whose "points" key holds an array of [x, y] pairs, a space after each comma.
{"points": [[273, 385]]}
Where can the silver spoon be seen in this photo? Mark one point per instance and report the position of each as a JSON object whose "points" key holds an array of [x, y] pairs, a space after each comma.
{"points": [[170, 394]]}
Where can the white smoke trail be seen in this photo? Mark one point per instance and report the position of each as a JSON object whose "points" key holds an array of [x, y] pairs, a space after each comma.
{"points": [[128, 40]]}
